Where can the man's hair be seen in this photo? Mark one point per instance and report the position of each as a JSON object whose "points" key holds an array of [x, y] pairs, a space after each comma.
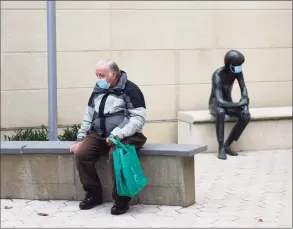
{"points": [[111, 64]]}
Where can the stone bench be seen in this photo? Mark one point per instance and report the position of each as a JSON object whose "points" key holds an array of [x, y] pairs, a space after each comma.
{"points": [[270, 128], [46, 171]]}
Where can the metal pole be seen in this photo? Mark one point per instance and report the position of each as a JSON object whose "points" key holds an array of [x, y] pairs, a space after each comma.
{"points": [[52, 70]]}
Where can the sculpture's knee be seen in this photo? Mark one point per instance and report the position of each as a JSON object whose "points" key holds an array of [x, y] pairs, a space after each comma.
{"points": [[248, 117], [221, 113], [245, 118]]}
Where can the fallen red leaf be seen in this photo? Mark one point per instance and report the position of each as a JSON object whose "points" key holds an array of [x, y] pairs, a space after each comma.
{"points": [[260, 220]]}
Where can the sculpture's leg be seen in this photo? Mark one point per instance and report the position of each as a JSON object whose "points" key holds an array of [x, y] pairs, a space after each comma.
{"points": [[219, 113], [236, 133]]}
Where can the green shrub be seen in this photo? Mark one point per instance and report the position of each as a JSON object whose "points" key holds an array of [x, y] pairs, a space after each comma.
{"points": [[29, 134], [42, 134], [69, 134]]}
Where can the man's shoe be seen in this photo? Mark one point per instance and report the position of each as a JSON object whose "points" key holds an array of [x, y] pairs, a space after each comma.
{"points": [[121, 205], [89, 202], [119, 210]]}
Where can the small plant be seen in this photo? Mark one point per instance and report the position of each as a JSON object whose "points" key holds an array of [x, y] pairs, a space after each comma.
{"points": [[29, 135], [69, 134], [42, 134]]}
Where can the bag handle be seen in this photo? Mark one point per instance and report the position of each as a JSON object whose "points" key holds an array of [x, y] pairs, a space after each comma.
{"points": [[117, 143]]}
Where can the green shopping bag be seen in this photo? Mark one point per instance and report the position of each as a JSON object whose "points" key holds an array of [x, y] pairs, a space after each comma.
{"points": [[130, 179]]}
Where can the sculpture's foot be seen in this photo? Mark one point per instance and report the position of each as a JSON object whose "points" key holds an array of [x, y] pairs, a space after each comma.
{"points": [[222, 154], [229, 151]]}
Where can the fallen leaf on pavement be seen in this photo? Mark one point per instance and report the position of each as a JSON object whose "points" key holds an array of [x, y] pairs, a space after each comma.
{"points": [[260, 220], [8, 207], [43, 214]]}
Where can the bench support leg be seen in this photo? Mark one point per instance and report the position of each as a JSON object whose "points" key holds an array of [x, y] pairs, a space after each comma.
{"points": [[171, 181]]}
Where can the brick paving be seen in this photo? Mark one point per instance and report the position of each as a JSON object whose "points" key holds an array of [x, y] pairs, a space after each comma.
{"points": [[251, 190]]}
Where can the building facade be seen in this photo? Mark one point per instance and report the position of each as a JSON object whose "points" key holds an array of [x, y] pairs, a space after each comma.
{"points": [[169, 48]]}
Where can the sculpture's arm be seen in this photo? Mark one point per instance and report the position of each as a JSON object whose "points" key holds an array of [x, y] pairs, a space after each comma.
{"points": [[243, 89], [219, 96]]}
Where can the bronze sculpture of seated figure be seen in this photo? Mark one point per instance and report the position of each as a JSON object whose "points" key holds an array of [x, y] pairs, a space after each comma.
{"points": [[221, 104]]}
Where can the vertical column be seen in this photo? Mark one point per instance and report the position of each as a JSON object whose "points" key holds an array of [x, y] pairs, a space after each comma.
{"points": [[52, 70]]}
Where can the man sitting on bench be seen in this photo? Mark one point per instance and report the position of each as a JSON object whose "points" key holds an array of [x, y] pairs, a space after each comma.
{"points": [[116, 107]]}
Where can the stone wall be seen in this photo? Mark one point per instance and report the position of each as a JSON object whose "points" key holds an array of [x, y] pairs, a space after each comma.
{"points": [[170, 49]]}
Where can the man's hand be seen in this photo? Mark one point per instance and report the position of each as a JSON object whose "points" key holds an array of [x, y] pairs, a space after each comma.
{"points": [[109, 142], [75, 146]]}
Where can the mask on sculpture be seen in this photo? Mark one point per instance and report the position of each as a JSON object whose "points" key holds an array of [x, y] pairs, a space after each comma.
{"points": [[236, 69]]}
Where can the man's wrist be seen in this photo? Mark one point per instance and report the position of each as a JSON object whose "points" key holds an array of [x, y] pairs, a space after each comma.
{"points": [[79, 139], [114, 136]]}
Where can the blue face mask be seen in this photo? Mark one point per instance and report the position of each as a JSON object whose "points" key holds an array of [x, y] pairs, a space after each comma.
{"points": [[103, 83], [237, 69]]}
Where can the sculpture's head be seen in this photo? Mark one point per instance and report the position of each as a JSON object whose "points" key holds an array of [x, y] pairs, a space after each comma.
{"points": [[233, 61]]}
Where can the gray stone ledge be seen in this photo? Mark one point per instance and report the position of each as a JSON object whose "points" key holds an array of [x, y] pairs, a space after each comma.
{"points": [[62, 147], [257, 114]]}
